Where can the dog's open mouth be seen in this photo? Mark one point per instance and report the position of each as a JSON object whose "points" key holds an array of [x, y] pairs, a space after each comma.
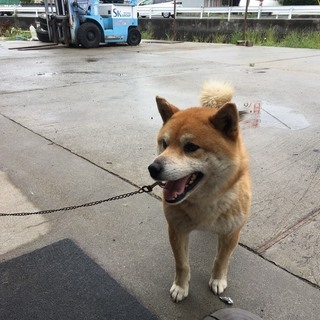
{"points": [[175, 191]]}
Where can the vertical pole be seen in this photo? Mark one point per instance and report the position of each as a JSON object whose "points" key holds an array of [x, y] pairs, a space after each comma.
{"points": [[245, 21], [46, 8], [174, 20]]}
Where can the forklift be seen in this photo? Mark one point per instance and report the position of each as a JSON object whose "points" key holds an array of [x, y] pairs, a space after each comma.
{"points": [[87, 23]]}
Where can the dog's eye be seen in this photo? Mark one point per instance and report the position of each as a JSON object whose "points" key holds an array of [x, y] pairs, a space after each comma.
{"points": [[190, 147], [164, 144]]}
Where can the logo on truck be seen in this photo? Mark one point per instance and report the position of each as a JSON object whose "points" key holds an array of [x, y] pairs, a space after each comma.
{"points": [[119, 14]]}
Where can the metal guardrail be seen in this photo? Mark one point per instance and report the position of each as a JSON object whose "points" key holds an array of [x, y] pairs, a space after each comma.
{"points": [[19, 11], [287, 12], [256, 12]]}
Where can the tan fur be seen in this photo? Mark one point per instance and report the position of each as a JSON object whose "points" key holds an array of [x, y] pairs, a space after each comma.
{"points": [[206, 141]]}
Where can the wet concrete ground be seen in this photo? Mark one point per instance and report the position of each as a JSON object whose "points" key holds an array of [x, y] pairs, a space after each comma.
{"points": [[80, 125]]}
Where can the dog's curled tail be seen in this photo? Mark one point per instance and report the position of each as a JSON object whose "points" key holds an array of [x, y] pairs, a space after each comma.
{"points": [[215, 94]]}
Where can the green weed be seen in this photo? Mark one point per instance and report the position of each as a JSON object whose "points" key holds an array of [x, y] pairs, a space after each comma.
{"points": [[270, 38], [11, 33], [147, 35], [309, 40], [219, 38]]}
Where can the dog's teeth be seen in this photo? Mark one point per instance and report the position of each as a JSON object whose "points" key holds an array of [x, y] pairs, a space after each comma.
{"points": [[193, 177]]}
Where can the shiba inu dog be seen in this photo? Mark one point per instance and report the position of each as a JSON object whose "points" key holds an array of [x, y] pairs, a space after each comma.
{"points": [[204, 165]]}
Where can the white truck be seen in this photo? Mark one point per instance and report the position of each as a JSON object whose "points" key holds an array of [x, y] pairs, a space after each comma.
{"points": [[150, 8], [256, 3]]}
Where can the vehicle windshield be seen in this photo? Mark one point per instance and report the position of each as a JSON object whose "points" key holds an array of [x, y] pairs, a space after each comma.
{"points": [[150, 2], [145, 2]]}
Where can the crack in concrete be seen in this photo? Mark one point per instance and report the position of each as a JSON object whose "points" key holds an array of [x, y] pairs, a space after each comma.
{"points": [[279, 266], [80, 156], [299, 224], [276, 118], [36, 225], [288, 59]]}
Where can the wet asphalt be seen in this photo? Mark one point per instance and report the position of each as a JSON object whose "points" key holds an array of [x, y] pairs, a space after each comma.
{"points": [[80, 125]]}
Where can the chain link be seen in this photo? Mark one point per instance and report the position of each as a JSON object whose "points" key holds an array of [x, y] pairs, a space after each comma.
{"points": [[144, 189]]}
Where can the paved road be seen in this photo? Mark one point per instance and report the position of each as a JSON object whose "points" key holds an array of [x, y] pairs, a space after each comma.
{"points": [[80, 125]]}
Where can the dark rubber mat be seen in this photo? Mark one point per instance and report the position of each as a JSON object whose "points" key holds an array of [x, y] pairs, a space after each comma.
{"points": [[61, 282]]}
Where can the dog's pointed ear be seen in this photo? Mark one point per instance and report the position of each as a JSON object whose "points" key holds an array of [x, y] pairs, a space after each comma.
{"points": [[226, 120], [165, 108]]}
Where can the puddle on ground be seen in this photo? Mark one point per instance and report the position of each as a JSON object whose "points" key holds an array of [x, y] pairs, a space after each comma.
{"points": [[263, 114], [256, 70], [51, 74], [91, 60]]}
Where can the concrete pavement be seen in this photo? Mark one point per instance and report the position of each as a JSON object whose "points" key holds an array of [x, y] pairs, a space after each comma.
{"points": [[80, 125]]}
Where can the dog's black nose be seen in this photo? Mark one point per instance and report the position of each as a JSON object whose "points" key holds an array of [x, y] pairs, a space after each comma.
{"points": [[154, 169]]}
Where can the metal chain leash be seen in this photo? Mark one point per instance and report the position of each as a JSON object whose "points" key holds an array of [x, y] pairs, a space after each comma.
{"points": [[144, 189]]}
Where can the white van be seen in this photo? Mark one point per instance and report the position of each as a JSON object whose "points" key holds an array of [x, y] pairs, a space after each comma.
{"points": [[164, 8]]}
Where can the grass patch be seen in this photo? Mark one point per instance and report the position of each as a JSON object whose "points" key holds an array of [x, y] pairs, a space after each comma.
{"points": [[310, 40], [147, 35], [306, 39], [18, 33], [269, 37], [220, 38], [12, 33]]}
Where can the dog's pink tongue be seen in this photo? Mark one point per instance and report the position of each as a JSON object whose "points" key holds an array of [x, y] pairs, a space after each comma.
{"points": [[174, 188]]}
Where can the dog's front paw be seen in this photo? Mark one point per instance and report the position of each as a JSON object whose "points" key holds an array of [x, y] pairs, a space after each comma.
{"points": [[217, 285], [178, 293]]}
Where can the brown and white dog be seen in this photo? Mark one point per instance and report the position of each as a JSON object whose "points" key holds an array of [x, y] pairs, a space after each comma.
{"points": [[204, 165]]}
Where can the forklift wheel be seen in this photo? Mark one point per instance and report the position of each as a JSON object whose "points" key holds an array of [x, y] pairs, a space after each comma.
{"points": [[43, 22], [89, 35], [43, 35], [134, 37]]}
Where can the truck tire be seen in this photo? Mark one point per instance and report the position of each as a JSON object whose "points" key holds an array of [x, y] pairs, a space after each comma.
{"points": [[89, 35], [43, 23], [134, 37], [166, 15], [42, 35]]}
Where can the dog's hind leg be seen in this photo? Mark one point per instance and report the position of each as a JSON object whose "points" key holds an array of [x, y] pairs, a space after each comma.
{"points": [[226, 245], [180, 246]]}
